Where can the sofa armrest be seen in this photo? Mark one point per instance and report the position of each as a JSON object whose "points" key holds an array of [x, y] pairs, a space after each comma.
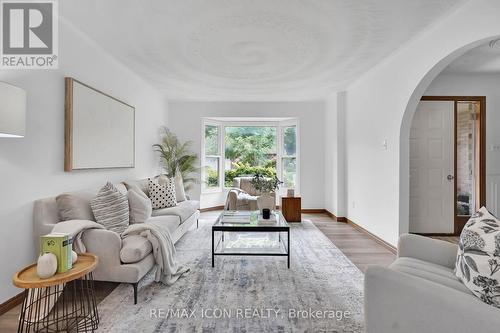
{"points": [[424, 248], [105, 244], [399, 302]]}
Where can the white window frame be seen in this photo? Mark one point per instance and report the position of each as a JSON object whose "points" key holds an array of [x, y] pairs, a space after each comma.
{"points": [[204, 189], [279, 124], [284, 124]]}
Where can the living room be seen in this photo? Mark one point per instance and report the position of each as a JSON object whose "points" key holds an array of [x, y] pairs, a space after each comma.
{"points": [[344, 114]]}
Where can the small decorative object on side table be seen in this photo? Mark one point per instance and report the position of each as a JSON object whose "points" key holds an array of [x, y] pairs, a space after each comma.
{"points": [[292, 209], [64, 302]]}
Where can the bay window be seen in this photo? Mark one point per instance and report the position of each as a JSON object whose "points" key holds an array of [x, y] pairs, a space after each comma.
{"points": [[235, 147]]}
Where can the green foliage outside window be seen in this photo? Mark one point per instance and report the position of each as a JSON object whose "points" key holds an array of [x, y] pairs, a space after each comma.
{"points": [[244, 169], [290, 140], [250, 144], [212, 178], [211, 140]]}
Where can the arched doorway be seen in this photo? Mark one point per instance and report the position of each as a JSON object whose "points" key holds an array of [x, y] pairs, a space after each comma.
{"points": [[404, 183]]}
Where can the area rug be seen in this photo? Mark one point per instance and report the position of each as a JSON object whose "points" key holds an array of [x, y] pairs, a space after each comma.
{"points": [[321, 292]]}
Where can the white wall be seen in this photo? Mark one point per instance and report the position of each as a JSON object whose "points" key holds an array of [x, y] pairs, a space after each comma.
{"points": [[185, 120], [32, 167], [380, 106], [335, 192], [479, 85]]}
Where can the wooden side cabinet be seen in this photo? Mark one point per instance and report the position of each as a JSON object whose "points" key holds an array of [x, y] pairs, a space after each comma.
{"points": [[292, 209]]}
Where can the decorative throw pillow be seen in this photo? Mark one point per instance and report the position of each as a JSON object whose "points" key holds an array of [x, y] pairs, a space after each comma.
{"points": [[140, 185], [180, 194], [140, 206], [111, 209], [162, 195], [478, 259], [75, 206]]}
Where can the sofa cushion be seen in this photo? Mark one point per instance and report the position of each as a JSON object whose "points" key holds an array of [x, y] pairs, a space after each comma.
{"points": [[134, 249], [75, 206], [162, 195], [110, 208], [121, 188], [141, 185], [429, 271], [183, 210], [478, 258], [140, 206], [171, 221]]}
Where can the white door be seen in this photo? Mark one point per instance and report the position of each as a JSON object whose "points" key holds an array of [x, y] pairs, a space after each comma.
{"points": [[432, 168]]}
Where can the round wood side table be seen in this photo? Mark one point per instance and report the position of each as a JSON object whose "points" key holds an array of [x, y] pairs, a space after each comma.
{"points": [[64, 302]]}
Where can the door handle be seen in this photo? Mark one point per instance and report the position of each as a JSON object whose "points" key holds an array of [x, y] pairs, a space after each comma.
{"points": [[450, 177]]}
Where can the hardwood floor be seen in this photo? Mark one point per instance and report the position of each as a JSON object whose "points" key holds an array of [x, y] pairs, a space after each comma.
{"points": [[361, 249], [357, 246]]}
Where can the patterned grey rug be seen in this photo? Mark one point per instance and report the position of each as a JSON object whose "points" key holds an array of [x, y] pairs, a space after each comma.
{"points": [[321, 292]]}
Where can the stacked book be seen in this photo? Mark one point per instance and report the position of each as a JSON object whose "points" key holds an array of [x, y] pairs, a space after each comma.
{"points": [[236, 217], [247, 217], [60, 245]]}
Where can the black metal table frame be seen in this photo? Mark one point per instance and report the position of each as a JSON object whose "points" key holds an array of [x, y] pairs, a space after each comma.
{"points": [[248, 228]]}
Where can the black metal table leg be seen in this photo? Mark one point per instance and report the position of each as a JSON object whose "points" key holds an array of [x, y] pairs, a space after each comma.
{"points": [[213, 250], [288, 248]]}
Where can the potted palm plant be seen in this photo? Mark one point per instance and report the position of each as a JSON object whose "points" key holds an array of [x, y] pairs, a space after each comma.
{"points": [[266, 186], [176, 158]]}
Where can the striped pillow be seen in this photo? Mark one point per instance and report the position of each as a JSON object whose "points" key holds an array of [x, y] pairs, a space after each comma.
{"points": [[110, 208]]}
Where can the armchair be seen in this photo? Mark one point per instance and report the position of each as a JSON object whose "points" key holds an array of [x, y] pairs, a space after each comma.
{"points": [[243, 196]]}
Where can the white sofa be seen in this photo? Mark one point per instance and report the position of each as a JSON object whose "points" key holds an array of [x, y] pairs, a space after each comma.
{"points": [[126, 260], [420, 293]]}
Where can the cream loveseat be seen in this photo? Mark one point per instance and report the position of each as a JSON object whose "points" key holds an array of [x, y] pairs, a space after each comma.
{"points": [[419, 293], [243, 196], [126, 260]]}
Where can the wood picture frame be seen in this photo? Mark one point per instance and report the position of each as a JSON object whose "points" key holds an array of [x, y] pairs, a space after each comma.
{"points": [[99, 130]]}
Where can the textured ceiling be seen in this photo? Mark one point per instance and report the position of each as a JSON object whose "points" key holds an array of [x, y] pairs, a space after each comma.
{"points": [[251, 49], [480, 60]]}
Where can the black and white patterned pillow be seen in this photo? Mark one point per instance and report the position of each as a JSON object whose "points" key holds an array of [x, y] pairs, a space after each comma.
{"points": [[110, 208], [162, 195], [478, 259]]}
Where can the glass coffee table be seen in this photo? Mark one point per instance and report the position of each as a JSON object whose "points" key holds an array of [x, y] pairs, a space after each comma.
{"points": [[245, 233]]}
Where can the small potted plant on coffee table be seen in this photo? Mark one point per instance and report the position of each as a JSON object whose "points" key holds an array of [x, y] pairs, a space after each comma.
{"points": [[266, 186]]}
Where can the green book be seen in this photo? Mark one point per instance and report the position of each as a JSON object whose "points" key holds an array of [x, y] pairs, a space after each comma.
{"points": [[60, 245]]}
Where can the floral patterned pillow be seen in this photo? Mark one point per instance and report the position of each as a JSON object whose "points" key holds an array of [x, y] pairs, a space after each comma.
{"points": [[478, 259]]}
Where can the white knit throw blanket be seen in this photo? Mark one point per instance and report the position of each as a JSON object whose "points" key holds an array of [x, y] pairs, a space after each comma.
{"points": [[167, 268]]}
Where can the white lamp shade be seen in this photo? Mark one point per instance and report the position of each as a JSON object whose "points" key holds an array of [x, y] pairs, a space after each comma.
{"points": [[12, 111]]}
